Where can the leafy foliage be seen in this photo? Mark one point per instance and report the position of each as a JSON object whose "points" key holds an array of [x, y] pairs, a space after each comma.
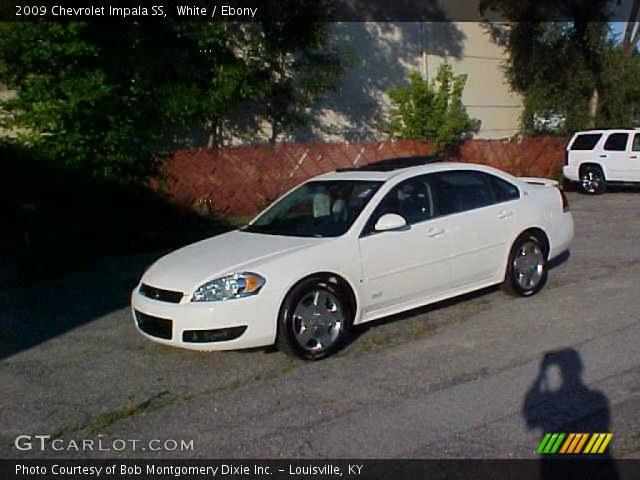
{"points": [[291, 80], [433, 110], [103, 102], [109, 98], [569, 70]]}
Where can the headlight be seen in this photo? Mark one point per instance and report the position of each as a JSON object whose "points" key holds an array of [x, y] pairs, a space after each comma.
{"points": [[237, 285]]}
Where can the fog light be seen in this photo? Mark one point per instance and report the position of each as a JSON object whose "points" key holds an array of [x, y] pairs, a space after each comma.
{"points": [[210, 336]]}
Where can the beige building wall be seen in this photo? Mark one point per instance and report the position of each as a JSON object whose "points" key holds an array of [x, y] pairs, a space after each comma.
{"points": [[382, 55]]}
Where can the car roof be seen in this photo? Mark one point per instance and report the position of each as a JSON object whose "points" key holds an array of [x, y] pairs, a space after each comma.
{"points": [[609, 130], [407, 172]]}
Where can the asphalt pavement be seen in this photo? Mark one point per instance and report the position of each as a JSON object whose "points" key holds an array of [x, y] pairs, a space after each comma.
{"points": [[482, 376]]}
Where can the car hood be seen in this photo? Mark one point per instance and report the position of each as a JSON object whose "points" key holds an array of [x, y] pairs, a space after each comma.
{"points": [[187, 268]]}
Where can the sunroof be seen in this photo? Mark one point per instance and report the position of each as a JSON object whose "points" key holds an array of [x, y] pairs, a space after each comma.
{"points": [[394, 164]]}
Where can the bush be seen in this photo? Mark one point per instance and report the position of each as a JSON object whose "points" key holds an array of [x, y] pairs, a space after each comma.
{"points": [[433, 110]]}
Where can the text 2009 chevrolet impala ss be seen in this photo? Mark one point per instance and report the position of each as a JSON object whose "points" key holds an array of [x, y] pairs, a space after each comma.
{"points": [[348, 247]]}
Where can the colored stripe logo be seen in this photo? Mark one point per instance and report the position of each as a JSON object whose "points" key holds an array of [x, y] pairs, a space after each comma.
{"points": [[574, 443]]}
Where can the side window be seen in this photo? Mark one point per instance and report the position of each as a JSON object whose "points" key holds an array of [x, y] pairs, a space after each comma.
{"points": [[413, 199], [636, 143], [460, 190], [503, 191], [586, 141], [617, 142]]}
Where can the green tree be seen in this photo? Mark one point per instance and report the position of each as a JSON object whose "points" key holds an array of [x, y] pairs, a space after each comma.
{"points": [[293, 63], [107, 98], [569, 69], [433, 110]]}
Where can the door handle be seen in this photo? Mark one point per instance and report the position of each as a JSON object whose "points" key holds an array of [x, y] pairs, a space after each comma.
{"points": [[435, 232], [633, 156], [504, 214], [604, 156]]}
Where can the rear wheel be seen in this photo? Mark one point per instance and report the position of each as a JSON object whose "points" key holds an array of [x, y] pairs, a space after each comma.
{"points": [[527, 268], [315, 319], [592, 181]]}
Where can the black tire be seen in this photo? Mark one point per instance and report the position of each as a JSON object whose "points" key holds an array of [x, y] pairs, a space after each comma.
{"points": [[592, 180], [515, 281], [290, 325]]}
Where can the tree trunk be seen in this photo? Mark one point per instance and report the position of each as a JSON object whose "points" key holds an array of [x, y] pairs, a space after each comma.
{"points": [[214, 137], [274, 133], [593, 108], [630, 40]]}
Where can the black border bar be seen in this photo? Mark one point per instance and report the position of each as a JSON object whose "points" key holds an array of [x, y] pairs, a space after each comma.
{"points": [[544, 469], [279, 10]]}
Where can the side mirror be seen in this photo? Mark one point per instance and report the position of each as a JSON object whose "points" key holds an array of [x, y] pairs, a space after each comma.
{"points": [[390, 221]]}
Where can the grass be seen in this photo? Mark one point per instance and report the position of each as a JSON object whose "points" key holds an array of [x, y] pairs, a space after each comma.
{"points": [[98, 424]]}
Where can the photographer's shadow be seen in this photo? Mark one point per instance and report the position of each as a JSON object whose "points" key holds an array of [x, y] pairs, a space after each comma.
{"points": [[559, 402]]}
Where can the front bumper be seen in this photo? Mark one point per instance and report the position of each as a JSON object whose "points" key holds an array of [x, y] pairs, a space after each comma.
{"points": [[241, 323]]}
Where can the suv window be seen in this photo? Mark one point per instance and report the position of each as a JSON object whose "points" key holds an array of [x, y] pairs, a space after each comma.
{"points": [[413, 199], [636, 143], [462, 190], [586, 141], [617, 142]]}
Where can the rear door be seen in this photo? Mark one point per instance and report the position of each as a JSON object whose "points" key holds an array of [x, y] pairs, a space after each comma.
{"points": [[481, 219], [404, 265], [615, 156]]}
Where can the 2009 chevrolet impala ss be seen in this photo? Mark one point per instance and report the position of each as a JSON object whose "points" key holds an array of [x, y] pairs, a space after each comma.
{"points": [[348, 247]]}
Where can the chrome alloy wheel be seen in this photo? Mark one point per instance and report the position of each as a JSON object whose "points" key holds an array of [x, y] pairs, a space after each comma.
{"points": [[317, 320], [590, 181], [528, 265]]}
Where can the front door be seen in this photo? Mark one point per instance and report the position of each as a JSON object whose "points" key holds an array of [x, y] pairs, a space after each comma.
{"points": [[411, 263]]}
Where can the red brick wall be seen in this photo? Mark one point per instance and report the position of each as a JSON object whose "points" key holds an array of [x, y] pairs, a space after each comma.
{"points": [[241, 180]]}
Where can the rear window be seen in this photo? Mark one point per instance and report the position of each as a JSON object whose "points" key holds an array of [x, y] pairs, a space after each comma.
{"points": [[503, 190], [461, 190], [586, 141], [617, 142]]}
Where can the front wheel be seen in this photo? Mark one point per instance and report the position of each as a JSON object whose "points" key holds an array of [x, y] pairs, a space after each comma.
{"points": [[527, 268], [315, 319], [592, 181]]}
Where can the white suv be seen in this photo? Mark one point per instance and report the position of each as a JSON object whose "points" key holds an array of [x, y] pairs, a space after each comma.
{"points": [[595, 158]]}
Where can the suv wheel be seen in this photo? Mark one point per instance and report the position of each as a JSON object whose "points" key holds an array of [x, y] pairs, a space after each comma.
{"points": [[592, 181]]}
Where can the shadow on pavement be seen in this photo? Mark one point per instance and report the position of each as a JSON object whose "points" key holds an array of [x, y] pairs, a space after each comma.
{"points": [[73, 246], [559, 402], [360, 330]]}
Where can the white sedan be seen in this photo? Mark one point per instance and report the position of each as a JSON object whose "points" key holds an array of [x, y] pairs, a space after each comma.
{"points": [[352, 246]]}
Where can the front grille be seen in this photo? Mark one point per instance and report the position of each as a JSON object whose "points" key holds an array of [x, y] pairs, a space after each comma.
{"points": [[160, 294], [154, 326], [210, 336]]}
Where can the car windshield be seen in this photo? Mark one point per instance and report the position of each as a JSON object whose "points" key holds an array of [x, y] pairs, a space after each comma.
{"points": [[316, 209]]}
